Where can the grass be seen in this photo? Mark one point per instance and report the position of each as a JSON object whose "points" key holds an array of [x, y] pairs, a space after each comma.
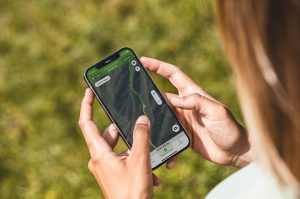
{"points": [[45, 47]]}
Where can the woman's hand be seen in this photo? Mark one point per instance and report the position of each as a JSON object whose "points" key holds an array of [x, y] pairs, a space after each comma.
{"points": [[127, 175], [214, 132]]}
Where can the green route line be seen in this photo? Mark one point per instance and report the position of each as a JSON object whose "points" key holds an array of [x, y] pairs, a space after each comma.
{"points": [[139, 96]]}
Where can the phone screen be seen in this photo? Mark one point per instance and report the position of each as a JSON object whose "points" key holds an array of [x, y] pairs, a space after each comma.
{"points": [[126, 91]]}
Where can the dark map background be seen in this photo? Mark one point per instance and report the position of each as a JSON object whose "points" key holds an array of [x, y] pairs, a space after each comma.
{"points": [[125, 106]]}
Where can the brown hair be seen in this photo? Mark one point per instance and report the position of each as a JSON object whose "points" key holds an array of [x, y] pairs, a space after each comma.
{"points": [[262, 41]]}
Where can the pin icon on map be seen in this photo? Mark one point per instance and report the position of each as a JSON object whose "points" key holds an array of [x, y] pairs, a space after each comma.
{"points": [[175, 128], [133, 62], [137, 68]]}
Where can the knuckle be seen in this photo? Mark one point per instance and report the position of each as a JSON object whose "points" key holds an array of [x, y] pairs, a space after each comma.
{"points": [[221, 109], [113, 129], [99, 157], [196, 96], [97, 154], [176, 68], [81, 124], [195, 101], [96, 160], [91, 145], [175, 71], [90, 166]]}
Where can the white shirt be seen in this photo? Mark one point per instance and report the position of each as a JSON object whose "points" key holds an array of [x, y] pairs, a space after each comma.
{"points": [[251, 182]]}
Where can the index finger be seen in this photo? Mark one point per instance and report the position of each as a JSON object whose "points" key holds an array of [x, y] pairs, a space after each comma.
{"points": [[179, 79], [95, 142]]}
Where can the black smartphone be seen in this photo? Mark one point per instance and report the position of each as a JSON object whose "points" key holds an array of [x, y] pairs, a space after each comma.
{"points": [[125, 90]]}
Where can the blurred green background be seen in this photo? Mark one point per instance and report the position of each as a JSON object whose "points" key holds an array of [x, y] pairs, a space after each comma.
{"points": [[44, 48]]}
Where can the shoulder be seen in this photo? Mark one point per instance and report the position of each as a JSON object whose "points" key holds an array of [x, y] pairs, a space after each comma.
{"points": [[251, 182]]}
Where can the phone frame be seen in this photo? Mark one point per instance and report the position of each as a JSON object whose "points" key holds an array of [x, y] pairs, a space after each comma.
{"points": [[108, 59]]}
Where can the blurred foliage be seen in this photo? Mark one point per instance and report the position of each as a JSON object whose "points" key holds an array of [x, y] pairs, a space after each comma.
{"points": [[44, 48]]}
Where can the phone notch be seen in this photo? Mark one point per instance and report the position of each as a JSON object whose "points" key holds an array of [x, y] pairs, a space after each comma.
{"points": [[107, 60]]}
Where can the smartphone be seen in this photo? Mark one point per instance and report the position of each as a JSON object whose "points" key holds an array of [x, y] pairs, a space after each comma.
{"points": [[125, 90]]}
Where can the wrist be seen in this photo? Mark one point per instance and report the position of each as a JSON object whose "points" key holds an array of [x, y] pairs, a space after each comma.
{"points": [[142, 196], [146, 194], [243, 160], [244, 155]]}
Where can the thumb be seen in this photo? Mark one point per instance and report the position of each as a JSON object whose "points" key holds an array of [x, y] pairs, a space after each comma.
{"points": [[195, 101], [141, 135]]}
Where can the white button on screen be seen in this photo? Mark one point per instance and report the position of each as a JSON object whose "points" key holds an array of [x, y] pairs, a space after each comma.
{"points": [[102, 81], [156, 97], [133, 62], [175, 128], [137, 69]]}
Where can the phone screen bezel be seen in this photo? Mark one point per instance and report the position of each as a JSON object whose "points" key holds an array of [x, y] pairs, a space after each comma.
{"points": [[103, 63]]}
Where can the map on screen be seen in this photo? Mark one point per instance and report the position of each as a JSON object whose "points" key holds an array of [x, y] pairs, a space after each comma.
{"points": [[127, 92]]}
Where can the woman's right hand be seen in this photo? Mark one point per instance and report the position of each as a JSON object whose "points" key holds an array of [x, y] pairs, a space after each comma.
{"points": [[214, 132]]}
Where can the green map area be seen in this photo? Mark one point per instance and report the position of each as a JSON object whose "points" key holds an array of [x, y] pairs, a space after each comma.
{"points": [[126, 94]]}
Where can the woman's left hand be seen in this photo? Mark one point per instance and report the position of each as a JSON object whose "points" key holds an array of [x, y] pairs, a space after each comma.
{"points": [[127, 175]]}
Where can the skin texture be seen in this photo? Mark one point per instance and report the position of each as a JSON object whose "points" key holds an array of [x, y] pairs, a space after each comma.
{"points": [[127, 175], [213, 131]]}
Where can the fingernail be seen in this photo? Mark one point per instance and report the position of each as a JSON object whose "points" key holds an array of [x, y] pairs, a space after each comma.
{"points": [[142, 58], [157, 181], [171, 164], [143, 120]]}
